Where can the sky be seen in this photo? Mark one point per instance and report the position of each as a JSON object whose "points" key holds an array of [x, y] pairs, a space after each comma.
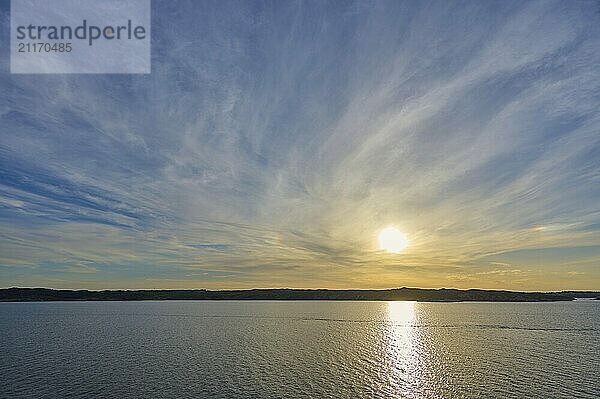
{"points": [[273, 141]]}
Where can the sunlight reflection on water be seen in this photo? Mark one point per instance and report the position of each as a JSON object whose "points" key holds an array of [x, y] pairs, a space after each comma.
{"points": [[403, 350]]}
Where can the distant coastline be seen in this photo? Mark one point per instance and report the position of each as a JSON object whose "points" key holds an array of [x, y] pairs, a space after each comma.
{"points": [[398, 294]]}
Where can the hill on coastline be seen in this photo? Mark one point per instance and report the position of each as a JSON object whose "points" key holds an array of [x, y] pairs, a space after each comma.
{"points": [[398, 294]]}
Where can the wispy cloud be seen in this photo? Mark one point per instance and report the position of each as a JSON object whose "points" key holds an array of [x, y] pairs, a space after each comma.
{"points": [[273, 140]]}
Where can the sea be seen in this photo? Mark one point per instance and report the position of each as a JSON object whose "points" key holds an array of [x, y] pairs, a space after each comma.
{"points": [[299, 349]]}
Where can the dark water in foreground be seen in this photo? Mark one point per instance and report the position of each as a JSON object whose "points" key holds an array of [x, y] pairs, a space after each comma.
{"points": [[310, 349]]}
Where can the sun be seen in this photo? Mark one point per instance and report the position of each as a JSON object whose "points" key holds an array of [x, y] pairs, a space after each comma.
{"points": [[391, 239]]}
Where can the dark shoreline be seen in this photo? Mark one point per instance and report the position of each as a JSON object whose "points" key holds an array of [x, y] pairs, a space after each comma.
{"points": [[399, 294]]}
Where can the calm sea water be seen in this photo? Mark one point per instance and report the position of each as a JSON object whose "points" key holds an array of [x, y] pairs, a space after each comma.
{"points": [[248, 349]]}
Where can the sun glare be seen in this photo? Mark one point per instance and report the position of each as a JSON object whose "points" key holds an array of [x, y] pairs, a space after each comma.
{"points": [[391, 239]]}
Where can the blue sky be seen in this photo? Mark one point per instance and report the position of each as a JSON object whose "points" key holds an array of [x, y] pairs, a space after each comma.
{"points": [[273, 141]]}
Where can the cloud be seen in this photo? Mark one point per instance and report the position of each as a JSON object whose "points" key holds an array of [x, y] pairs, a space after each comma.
{"points": [[272, 142]]}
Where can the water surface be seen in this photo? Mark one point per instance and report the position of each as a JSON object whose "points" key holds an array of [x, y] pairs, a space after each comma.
{"points": [[299, 349]]}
